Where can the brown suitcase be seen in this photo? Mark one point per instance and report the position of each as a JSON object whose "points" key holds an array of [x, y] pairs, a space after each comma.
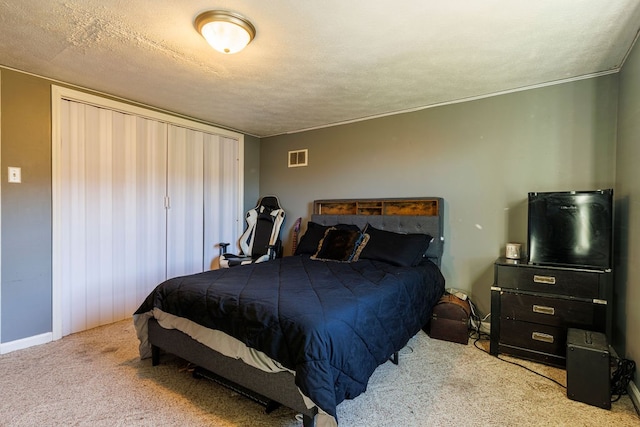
{"points": [[450, 320]]}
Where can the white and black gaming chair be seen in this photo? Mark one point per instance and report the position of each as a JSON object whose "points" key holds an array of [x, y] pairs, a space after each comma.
{"points": [[261, 240]]}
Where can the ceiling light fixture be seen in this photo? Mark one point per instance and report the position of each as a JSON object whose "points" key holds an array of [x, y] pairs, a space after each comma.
{"points": [[226, 32]]}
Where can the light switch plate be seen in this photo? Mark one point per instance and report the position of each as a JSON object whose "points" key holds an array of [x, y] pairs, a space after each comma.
{"points": [[15, 175]]}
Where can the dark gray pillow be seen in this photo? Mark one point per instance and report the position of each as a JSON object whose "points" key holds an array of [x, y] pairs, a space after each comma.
{"points": [[404, 250], [310, 240]]}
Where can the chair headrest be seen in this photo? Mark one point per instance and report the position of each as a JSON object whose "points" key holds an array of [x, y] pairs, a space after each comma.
{"points": [[270, 202]]}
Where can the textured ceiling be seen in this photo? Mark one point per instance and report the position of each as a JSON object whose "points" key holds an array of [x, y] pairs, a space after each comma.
{"points": [[315, 63]]}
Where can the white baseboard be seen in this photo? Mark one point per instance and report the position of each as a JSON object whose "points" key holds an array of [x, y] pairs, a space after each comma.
{"points": [[20, 344], [634, 393]]}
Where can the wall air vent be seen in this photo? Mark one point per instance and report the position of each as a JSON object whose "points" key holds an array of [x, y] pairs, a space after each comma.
{"points": [[298, 158]]}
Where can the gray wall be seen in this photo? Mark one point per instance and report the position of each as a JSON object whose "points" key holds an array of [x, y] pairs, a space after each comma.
{"points": [[25, 130], [26, 207], [627, 270], [482, 156], [251, 171]]}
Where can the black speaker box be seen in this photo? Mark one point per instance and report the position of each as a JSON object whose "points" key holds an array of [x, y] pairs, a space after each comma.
{"points": [[588, 368]]}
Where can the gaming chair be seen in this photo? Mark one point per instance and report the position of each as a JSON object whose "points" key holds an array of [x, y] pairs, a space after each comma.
{"points": [[261, 240]]}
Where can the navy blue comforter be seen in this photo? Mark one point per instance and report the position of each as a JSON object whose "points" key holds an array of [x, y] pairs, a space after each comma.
{"points": [[332, 323]]}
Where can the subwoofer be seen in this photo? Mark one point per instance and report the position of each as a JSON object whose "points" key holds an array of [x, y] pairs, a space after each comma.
{"points": [[588, 368]]}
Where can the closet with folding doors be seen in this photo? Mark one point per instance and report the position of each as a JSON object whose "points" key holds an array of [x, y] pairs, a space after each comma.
{"points": [[138, 198]]}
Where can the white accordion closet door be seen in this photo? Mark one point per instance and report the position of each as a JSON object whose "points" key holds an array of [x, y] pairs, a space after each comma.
{"points": [[136, 200], [222, 204], [203, 199], [111, 244], [185, 213]]}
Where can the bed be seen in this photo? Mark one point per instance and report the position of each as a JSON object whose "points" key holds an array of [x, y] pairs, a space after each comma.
{"points": [[308, 330]]}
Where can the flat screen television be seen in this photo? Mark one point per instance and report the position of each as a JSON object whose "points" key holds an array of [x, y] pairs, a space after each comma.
{"points": [[571, 228]]}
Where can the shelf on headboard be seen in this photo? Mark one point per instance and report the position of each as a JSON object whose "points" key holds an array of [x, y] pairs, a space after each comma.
{"points": [[408, 206]]}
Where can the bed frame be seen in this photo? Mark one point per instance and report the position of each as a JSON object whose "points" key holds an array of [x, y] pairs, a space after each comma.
{"points": [[409, 215]]}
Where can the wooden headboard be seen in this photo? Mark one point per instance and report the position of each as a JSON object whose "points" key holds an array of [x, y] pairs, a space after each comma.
{"points": [[401, 215]]}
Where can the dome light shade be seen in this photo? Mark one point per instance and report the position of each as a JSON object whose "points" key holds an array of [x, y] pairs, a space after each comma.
{"points": [[226, 32]]}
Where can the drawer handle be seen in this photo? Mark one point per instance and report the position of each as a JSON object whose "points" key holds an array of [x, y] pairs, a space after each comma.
{"points": [[543, 309], [539, 336], [547, 280]]}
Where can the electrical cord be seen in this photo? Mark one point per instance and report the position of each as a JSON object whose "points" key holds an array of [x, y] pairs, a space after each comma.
{"points": [[476, 334], [475, 330], [483, 336], [621, 377], [531, 370]]}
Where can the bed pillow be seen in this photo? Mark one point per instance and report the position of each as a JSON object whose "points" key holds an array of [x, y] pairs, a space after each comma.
{"points": [[340, 245], [361, 246], [404, 250], [310, 240]]}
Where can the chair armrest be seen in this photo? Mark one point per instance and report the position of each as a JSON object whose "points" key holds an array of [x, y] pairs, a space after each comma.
{"points": [[223, 247]]}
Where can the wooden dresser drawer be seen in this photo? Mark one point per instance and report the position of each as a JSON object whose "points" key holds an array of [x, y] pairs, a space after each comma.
{"points": [[532, 336], [548, 311], [532, 306], [577, 283]]}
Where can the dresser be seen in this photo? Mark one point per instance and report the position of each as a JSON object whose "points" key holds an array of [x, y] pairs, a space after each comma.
{"points": [[533, 306]]}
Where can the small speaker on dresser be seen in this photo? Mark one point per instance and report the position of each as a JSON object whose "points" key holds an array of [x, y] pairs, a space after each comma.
{"points": [[588, 368]]}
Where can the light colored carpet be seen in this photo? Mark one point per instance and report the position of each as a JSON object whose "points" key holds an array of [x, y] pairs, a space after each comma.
{"points": [[95, 378]]}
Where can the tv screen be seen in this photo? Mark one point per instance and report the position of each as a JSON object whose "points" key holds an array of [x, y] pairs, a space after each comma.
{"points": [[571, 228]]}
